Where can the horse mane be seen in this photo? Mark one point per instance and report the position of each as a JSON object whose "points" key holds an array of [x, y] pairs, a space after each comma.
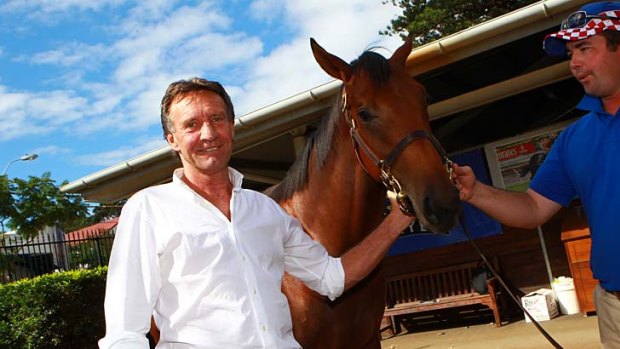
{"points": [[378, 70]]}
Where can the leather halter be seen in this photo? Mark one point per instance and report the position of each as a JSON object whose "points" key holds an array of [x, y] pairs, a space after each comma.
{"points": [[383, 166]]}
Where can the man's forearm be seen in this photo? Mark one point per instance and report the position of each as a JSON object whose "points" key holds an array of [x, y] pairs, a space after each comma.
{"points": [[365, 256], [515, 209]]}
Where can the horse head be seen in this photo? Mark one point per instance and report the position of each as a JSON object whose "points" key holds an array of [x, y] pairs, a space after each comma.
{"points": [[386, 112]]}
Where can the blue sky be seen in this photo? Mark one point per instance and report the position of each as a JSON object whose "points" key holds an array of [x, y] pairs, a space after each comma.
{"points": [[81, 80]]}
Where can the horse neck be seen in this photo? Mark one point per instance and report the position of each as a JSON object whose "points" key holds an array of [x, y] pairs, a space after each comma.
{"points": [[341, 204]]}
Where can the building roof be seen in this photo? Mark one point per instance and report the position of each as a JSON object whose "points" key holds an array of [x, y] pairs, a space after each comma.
{"points": [[91, 231]]}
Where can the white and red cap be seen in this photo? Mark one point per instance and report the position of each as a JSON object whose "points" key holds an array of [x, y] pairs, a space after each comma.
{"points": [[590, 20]]}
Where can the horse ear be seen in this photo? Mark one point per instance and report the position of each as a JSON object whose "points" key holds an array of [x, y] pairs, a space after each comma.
{"points": [[401, 54], [331, 64]]}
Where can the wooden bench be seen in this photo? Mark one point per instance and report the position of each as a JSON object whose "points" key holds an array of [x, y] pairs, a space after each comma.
{"points": [[440, 288]]}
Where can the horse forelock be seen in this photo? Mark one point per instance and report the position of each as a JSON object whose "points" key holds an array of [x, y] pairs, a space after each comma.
{"points": [[374, 65], [377, 68]]}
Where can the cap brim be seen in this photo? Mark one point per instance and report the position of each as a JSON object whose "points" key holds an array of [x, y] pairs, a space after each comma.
{"points": [[554, 46]]}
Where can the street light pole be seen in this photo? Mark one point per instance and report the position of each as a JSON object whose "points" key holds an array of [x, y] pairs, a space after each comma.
{"points": [[27, 157]]}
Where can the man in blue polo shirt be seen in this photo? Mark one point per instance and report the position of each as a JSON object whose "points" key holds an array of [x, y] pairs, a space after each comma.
{"points": [[584, 161]]}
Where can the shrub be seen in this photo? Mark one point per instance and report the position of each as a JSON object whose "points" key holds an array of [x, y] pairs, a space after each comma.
{"points": [[63, 310]]}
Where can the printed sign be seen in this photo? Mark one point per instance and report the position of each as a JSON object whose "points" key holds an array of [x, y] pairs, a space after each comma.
{"points": [[513, 162]]}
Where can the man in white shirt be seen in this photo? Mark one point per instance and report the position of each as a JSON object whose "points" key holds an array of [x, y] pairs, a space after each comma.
{"points": [[206, 257]]}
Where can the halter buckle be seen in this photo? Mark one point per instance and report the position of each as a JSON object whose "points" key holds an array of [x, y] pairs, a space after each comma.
{"points": [[448, 164], [392, 184]]}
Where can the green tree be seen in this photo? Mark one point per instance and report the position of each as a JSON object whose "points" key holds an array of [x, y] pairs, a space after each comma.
{"points": [[429, 20], [7, 203], [39, 203]]}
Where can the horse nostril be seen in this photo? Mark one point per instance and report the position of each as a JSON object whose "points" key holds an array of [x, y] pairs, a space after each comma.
{"points": [[442, 217], [430, 211]]}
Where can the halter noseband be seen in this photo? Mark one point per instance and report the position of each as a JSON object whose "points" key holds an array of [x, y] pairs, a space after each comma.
{"points": [[384, 166]]}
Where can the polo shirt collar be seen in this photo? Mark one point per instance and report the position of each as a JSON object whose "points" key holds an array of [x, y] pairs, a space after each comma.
{"points": [[593, 104]]}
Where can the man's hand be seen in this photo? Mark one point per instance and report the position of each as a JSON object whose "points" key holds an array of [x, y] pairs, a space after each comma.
{"points": [[396, 216], [464, 180]]}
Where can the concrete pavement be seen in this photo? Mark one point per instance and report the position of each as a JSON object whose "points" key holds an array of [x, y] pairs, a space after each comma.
{"points": [[570, 331]]}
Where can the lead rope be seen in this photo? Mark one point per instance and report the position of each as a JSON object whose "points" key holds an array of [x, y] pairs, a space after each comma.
{"points": [[501, 281]]}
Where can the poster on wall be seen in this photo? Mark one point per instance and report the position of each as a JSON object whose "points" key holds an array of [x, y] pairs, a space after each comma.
{"points": [[513, 162], [478, 224]]}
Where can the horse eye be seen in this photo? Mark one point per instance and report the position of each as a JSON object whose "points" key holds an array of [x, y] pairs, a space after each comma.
{"points": [[365, 115]]}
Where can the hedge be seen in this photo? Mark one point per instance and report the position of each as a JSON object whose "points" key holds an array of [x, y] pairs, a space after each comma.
{"points": [[62, 310]]}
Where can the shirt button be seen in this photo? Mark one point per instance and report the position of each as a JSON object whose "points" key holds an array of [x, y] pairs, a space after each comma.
{"points": [[254, 291], [263, 327], [243, 258]]}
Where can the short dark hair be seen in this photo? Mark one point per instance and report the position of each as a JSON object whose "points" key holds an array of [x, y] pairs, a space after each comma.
{"points": [[194, 84], [613, 39]]}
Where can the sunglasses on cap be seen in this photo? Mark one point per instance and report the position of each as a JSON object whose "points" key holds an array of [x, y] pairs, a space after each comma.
{"points": [[579, 19], [576, 20]]}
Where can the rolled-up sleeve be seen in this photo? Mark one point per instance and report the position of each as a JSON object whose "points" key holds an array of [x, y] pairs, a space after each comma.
{"points": [[308, 260]]}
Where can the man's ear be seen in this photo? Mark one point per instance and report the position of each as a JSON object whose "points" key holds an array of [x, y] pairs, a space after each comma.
{"points": [[171, 141]]}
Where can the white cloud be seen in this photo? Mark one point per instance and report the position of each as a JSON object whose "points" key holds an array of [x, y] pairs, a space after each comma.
{"points": [[49, 10], [178, 25], [213, 51], [51, 150], [119, 155], [56, 107], [68, 55], [266, 10], [13, 122], [23, 114], [344, 28], [150, 11]]}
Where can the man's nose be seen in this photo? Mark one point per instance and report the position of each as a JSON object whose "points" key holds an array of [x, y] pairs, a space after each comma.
{"points": [[207, 132], [575, 60]]}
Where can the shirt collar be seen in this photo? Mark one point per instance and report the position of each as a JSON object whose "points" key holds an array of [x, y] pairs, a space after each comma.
{"points": [[235, 176], [593, 104]]}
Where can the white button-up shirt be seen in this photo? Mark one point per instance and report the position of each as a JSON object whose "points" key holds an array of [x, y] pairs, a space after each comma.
{"points": [[208, 281]]}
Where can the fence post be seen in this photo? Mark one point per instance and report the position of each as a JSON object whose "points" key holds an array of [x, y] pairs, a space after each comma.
{"points": [[99, 252]]}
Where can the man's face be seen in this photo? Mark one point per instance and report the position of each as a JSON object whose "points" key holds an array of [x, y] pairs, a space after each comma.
{"points": [[202, 132], [595, 67]]}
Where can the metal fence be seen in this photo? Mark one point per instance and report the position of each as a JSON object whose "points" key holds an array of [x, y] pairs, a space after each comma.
{"points": [[52, 251]]}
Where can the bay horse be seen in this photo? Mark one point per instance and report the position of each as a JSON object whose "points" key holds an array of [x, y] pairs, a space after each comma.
{"points": [[376, 136]]}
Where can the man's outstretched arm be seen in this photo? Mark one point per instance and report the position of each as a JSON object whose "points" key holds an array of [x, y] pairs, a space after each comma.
{"points": [[516, 209]]}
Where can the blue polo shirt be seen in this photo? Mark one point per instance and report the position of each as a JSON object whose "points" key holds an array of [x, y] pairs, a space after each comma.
{"points": [[584, 161]]}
